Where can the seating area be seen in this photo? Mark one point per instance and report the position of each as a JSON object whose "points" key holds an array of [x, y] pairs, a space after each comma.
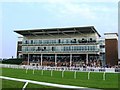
{"points": [[64, 61]]}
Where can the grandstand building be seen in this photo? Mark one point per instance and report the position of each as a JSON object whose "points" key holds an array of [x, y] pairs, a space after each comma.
{"points": [[74, 46]]}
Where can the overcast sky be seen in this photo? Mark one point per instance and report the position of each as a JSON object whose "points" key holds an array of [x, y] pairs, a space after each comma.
{"points": [[102, 14]]}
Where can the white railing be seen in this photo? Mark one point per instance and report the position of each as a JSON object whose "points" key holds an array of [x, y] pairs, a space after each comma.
{"points": [[80, 69], [46, 84]]}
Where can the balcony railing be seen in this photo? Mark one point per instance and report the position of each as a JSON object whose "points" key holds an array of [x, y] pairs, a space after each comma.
{"points": [[70, 42], [78, 51]]}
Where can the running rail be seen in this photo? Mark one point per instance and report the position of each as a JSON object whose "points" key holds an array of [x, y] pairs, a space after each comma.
{"points": [[46, 84], [80, 69]]}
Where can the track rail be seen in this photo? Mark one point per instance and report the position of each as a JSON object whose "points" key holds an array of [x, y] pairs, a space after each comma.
{"points": [[46, 84]]}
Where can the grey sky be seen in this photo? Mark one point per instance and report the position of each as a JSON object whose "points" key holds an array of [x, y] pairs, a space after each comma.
{"points": [[102, 14]]}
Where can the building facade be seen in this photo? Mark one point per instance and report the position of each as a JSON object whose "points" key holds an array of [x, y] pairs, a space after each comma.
{"points": [[111, 48], [19, 47], [74, 46]]}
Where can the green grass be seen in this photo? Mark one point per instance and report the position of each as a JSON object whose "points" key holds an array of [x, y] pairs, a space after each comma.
{"points": [[39, 87], [7, 84], [11, 84], [30, 85], [95, 80]]}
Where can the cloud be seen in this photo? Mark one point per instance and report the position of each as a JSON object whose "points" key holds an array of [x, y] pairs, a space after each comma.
{"points": [[76, 8], [86, 9]]}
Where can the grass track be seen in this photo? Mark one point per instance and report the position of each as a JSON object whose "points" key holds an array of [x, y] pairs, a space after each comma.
{"points": [[6, 84], [95, 80]]}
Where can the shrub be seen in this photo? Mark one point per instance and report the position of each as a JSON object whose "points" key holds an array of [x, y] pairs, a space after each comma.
{"points": [[13, 61]]}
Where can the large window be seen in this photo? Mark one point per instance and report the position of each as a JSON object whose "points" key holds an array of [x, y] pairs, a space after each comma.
{"points": [[60, 41], [60, 48]]}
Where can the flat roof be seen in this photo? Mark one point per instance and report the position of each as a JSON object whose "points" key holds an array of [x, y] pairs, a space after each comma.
{"points": [[50, 31], [110, 33]]}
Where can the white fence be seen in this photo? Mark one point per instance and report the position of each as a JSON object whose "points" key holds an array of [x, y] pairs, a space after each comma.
{"points": [[81, 69], [47, 84]]}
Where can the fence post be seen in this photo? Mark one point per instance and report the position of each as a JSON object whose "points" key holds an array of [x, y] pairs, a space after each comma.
{"points": [[104, 76], [51, 73], [33, 71], [62, 73], [26, 70], [75, 75], [42, 72], [88, 75]]}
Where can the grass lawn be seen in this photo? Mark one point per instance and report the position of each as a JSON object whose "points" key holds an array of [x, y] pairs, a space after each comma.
{"points": [[6, 84], [95, 81], [15, 85], [39, 87]]}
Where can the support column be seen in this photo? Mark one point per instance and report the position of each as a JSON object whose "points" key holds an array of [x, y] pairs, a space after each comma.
{"points": [[28, 59], [86, 58], [41, 59], [70, 60], [56, 60], [38, 60]]}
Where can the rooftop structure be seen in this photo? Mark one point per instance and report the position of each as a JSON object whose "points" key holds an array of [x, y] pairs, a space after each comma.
{"points": [[63, 31]]}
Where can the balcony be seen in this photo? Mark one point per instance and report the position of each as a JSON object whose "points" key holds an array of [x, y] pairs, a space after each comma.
{"points": [[72, 51], [63, 43]]}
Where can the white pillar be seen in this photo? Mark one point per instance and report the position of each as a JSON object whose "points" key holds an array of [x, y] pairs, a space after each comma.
{"points": [[88, 75], [41, 59], [42, 72], [28, 59], [51, 73], [86, 58], [62, 73], [70, 60], [104, 76], [26, 70], [33, 70], [55, 59], [75, 75]]}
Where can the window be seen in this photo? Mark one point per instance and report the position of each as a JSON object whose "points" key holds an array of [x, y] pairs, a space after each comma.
{"points": [[40, 41], [53, 48], [85, 48], [79, 41], [67, 41], [31, 41], [26, 48], [90, 48], [39, 48], [44, 48], [73, 41], [82, 48], [26, 42]]}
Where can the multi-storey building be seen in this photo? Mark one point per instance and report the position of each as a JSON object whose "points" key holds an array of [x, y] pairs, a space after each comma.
{"points": [[74, 46]]}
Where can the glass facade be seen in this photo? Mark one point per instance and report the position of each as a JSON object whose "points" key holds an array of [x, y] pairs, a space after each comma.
{"points": [[59, 48], [86, 49], [60, 45], [59, 41]]}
